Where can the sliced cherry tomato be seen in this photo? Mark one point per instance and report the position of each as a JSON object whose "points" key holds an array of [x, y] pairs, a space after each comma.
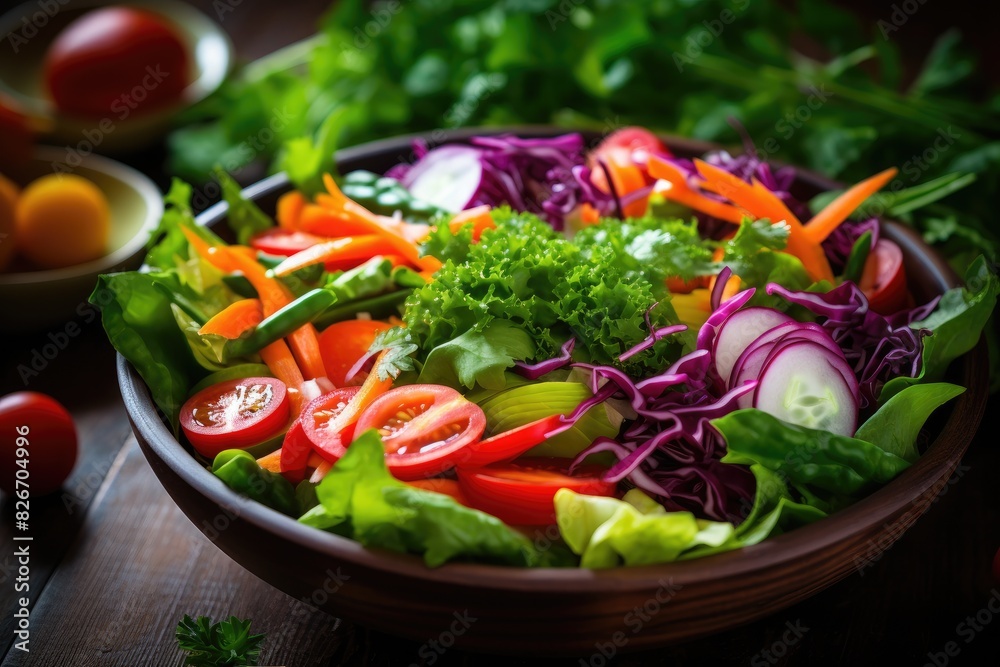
{"points": [[235, 414], [424, 428], [509, 444], [637, 141], [448, 487], [284, 243], [521, 493], [297, 446], [883, 280], [39, 437], [342, 344]]}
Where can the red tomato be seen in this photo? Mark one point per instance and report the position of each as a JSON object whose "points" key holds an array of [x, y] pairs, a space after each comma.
{"points": [[883, 280], [39, 441], [297, 446], [424, 428], [284, 243], [16, 135], [116, 61], [521, 493], [342, 344], [235, 414], [328, 435], [509, 444], [625, 152]]}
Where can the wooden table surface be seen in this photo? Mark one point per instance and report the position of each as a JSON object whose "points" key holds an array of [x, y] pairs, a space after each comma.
{"points": [[115, 565]]}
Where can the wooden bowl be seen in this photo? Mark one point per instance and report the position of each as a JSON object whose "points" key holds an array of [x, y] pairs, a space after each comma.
{"points": [[560, 611]]}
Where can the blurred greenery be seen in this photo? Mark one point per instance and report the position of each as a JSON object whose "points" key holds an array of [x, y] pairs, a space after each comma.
{"points": [[679, 66]]}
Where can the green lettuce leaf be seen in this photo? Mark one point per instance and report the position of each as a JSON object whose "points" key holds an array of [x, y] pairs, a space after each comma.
{"points": [[829, 471], [607, 532], [244, 217], [895, 426], [360, 499], [478, 357], [956, 323], [140, 324]]}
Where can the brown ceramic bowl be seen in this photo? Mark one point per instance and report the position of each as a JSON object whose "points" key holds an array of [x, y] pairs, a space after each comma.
{"points": [[560, 611]]}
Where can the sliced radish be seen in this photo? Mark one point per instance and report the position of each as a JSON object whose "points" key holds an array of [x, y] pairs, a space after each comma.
{"points": [[804, 383], [447, 177], [738, 331]]}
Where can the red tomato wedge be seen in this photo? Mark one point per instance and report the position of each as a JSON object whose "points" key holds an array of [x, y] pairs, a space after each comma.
{"points": [[883, 280], [297, 446], [342, 344], [424, 427], [509, 444], [284, 243], [521, 493], [235, 414]]}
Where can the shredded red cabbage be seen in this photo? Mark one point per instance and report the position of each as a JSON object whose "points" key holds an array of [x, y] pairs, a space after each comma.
{"points": [[548, 176], [838, 245], [878, 348], [535, 371]]}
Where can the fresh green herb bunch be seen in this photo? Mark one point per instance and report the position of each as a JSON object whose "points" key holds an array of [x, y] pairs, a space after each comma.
{"points": [[224, 644]]}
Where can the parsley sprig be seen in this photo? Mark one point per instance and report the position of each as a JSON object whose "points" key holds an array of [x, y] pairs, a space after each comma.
{"points": [[224, 644]]}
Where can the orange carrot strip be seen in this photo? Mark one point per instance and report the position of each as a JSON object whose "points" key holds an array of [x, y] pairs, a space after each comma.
{"points": [[273, 296], [479, 217], [323, 221], [280, 361], [823, 223], [207, 251], [348, 248], [682, 193], [271, 462], [234, 319], [760, 202], [289, 209]]}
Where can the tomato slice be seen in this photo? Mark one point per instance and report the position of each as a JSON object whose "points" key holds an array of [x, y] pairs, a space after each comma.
{"points": [[322, 427], [342, 344], [424, 427], [521, 493], [509, 444], [235, 414], [284, 243], [297, 446], [883, 280]]}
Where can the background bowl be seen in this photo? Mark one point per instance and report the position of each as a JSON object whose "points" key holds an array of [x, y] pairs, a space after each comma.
{"points": [[561, 611], [33, 300], [21, 74]]}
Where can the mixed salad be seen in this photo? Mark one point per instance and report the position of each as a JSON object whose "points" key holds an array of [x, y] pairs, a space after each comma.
{"points": [[538, 353]]}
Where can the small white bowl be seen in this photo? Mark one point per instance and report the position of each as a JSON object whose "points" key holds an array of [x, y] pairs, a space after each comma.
{"points": [[34, 300], [32, 27]]}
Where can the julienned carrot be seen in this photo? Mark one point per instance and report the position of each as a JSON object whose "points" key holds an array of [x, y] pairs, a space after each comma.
{"points": [[289, 210], [760, 202], [271, 462], [279, 359], [234, 319], [322, 220], [684, 194], [274, 296], [358, 248], [479, 217], [364, 217], [823, 223]]}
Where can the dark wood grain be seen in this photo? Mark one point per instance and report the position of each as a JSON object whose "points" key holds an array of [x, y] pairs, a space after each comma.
{"points": [[137, 567]]}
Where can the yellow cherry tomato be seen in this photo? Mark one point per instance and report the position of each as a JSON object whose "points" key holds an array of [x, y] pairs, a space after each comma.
{"points": [[62, 219], [9, 193]]}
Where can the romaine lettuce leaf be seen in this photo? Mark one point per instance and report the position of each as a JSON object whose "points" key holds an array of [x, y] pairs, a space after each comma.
{"points": [[360, 499]]}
